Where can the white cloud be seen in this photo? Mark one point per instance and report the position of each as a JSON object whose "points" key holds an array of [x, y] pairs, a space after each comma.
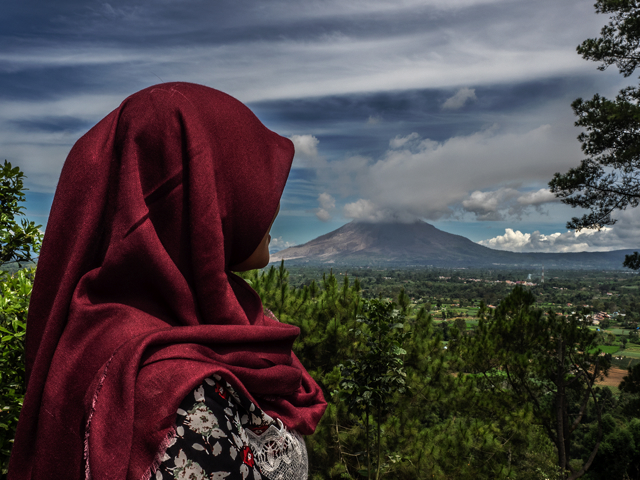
{"points": [[278, 244], [459, 99], [323, 215], [486, 205], [306, 145], [537, 197], [363, 210], [474, 173], [327, 204], [326, 201], [511, 240], [341, 177], [505, 202], [570, 241], [40, 153]]}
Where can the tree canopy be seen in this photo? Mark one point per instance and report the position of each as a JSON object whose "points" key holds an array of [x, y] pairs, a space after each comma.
{"points": [[524, 356], [608, 180], [17, 243], [17, 240]]}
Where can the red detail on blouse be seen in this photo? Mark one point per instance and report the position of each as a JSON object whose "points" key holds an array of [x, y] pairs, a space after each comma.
{"points": [[247, 456]]}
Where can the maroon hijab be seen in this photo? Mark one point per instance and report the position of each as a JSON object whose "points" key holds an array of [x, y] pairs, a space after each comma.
{"points": [[134, 304]]}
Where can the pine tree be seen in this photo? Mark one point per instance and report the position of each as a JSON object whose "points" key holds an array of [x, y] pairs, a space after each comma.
{"points": [[607, 180], [547, 362]]}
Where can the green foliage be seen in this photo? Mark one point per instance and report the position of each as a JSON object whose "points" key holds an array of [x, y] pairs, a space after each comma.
{"points": [[376, 375], [15, 292], [607, 180], [632, 261], [460, 325], [548, 363], [443, 429], [469, 414], [17, 240], [620, 38], [630, 392], [631, 382], [619, 452], [606, 348]]}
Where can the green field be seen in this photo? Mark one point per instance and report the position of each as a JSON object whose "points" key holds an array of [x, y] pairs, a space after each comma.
{"points": [[618, 331], [609, 348], [630, 353]]}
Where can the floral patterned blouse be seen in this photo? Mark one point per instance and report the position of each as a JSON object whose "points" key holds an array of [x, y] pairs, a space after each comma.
{"points": [[217, 433]]}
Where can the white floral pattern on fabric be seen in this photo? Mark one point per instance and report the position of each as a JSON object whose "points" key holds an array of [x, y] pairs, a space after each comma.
{"points": [[216, 432], [202, 420]]}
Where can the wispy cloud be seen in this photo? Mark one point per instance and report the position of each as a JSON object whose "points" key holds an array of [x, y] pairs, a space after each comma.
{"points": [[461, 97]]}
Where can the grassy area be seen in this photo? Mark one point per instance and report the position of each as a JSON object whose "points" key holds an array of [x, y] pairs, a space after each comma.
{"points": [[608, 348], [630, 353], [618, 331]]}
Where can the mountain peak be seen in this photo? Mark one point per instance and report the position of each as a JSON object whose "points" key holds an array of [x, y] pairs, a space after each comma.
{"points": [[417, 242]]}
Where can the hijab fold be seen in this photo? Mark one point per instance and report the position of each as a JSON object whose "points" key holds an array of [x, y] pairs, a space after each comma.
{"points": [[134, 304]]}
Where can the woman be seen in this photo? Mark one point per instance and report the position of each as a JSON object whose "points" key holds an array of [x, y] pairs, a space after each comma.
{"points": [[135, 309]]}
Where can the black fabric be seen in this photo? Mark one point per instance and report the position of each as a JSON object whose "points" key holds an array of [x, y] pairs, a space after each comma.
{"points": [[211, 441]]}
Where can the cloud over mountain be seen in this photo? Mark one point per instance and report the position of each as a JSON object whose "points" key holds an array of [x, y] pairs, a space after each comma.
{"points": [[422, 178]]}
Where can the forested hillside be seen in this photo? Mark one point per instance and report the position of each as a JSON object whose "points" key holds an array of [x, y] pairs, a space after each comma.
{"points": [[514, 397], [506, 392]]}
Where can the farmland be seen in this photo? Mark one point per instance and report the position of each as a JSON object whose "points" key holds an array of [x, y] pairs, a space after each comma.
{"points": [[451, 294]]}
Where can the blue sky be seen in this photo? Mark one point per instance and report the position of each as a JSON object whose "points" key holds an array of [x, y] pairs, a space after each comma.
{"points": [[452, 111]]}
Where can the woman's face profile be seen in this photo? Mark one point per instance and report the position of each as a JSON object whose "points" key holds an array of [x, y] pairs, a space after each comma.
{"points": [[260, 257]]}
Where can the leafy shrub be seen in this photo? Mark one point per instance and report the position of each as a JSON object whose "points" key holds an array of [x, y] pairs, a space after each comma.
{"points": [[15, 291], [18, 242]]}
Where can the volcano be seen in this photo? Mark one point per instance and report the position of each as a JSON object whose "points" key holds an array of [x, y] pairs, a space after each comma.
{"points": [[422, 244]]}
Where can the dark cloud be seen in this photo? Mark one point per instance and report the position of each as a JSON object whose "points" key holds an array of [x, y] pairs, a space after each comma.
{"points": [[53, 124]]}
